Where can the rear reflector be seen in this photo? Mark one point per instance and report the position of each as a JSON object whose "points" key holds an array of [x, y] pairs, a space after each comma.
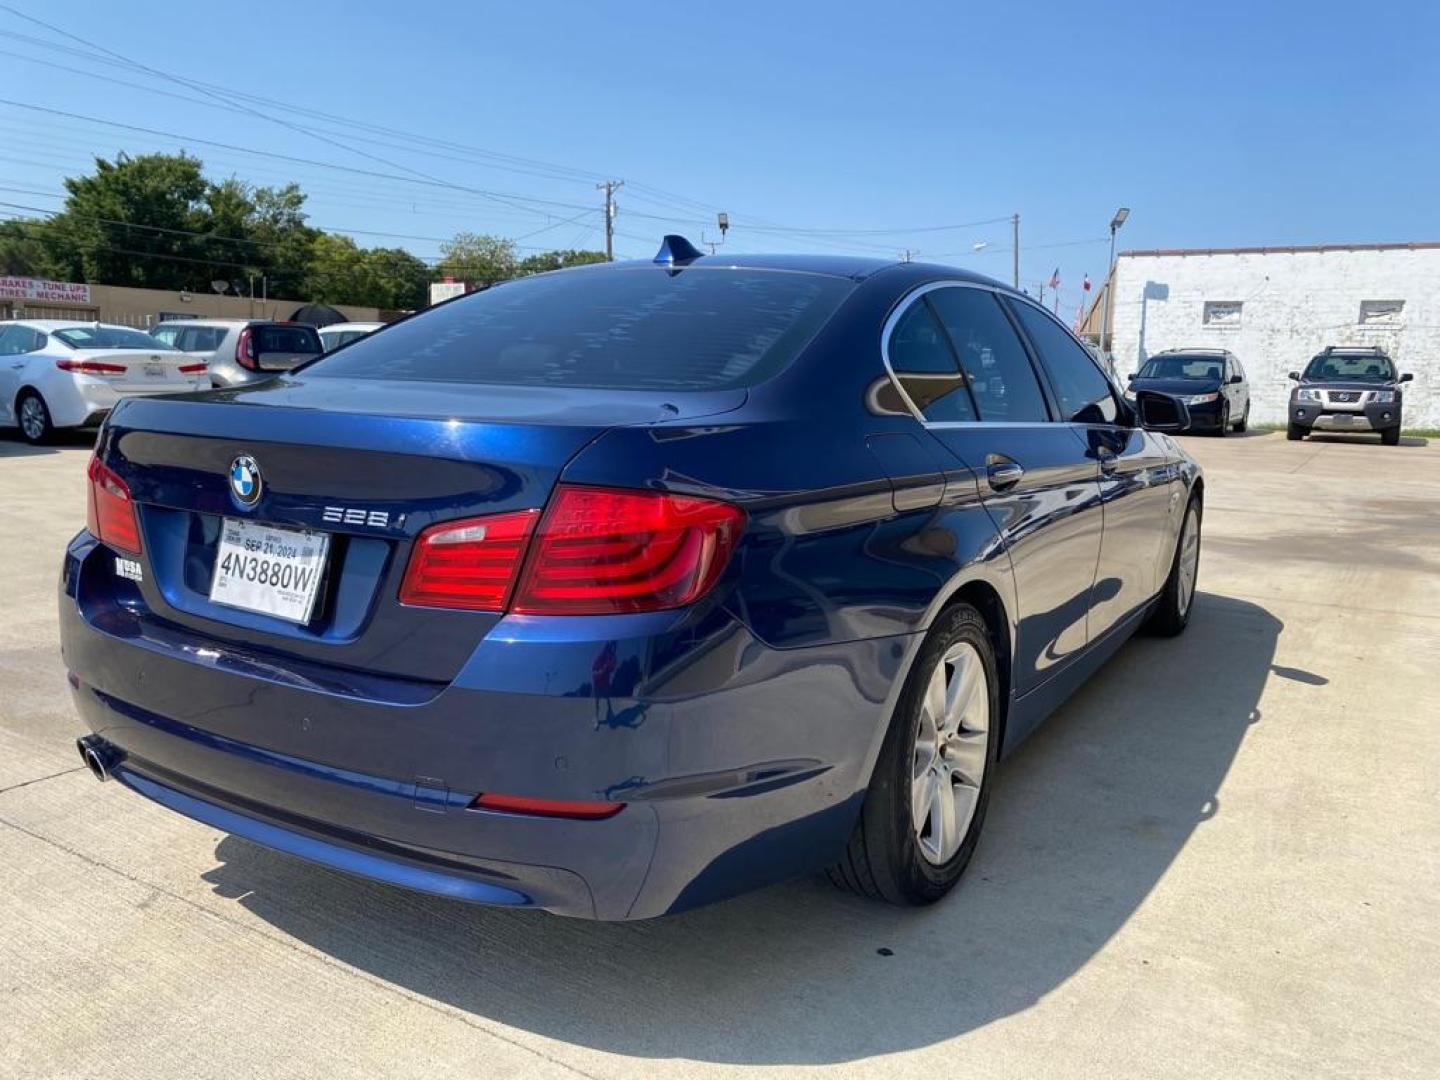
{"points": [[470, 564], [602, 551], [91, 367], [193, 369], [110, 511], [557, 808]]}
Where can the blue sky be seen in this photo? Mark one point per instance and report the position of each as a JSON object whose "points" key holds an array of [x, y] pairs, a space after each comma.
{"points": [[1218, 124]]}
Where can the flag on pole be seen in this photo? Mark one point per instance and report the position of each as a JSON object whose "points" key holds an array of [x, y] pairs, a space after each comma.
{"points": [[1054, 282]]}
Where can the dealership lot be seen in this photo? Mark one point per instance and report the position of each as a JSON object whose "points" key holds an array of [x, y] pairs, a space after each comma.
{"points": [[1219, 859]]}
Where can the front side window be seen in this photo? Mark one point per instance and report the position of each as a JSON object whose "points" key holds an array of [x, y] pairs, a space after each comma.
{"points": [[1084, 392], [166, 335], [999, 371], [644, 328], [924, 364]]}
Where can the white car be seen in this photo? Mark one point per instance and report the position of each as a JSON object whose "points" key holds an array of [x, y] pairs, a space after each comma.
{"points": [[56, 374], [342, 333]]}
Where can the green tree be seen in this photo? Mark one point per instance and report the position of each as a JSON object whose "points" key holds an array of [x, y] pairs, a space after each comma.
{"points": [[556, 260], [132, 223], [22, 252], [398, 280], [482, 259]]}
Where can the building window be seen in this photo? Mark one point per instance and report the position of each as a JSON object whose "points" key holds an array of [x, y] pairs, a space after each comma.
{"points": [[1380, 312], [1222, 314]]}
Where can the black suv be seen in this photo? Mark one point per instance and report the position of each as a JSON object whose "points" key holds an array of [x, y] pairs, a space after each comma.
{"points": [[1348, 389]]}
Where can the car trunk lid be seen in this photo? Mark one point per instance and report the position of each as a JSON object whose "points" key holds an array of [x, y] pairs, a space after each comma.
{"points": [[372, 468]]}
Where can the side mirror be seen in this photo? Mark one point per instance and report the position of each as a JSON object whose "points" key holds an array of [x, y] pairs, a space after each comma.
{"points": [[1237, 379], [1406, 377], [1161, 412], [1130, 377], [1294, 375]]}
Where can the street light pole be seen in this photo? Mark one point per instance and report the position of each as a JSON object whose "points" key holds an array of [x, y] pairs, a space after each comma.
{"points": [[1115, 223]]}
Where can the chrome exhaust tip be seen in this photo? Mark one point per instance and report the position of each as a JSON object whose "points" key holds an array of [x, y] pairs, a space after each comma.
{"points": [[96, 755]]}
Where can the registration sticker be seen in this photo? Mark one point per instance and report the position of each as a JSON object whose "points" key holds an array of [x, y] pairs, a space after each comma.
{"points": [[270, 570]]}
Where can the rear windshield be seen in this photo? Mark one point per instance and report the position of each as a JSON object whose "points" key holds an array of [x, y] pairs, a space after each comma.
{"points": [[630, 329], [286, 339], [105, 337], [1370, 367], [1183, 367]]}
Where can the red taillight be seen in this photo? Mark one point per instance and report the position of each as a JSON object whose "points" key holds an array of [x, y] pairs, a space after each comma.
{"points": [[110, 512], [468, 564], [600, 551], [596, 551], [193, 369], [561, 808], [245, 350], [91, 367]]}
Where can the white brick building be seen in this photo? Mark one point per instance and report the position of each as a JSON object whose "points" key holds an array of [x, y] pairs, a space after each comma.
{"points": [[1275, 308]]}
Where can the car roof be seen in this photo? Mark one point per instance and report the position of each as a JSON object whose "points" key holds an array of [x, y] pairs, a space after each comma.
{"points": [[1353, 350], [209, 322], [855, 267], [1192, 352], [51, 325], [372, 325]]}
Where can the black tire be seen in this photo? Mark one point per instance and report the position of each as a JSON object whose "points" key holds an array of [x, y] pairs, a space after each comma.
{"points": [[1172, 610], [883, 859], [1390, 436], [1224, 428], [1294, 433], [1243, 424], [31, 401]]}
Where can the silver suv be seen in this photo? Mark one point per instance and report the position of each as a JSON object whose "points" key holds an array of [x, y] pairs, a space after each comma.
{"points": [[240, 351]]}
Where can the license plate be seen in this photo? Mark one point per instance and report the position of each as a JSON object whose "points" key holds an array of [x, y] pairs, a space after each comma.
{"points": [[269, 570], [1341, 420], [155, 371]]}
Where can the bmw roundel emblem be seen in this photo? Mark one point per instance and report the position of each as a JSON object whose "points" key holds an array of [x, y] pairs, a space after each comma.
{"points": [[245, 480]]}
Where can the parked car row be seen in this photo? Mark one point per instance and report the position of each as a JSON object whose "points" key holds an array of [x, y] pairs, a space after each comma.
{"points": [[1343, 388], [57, 374]]}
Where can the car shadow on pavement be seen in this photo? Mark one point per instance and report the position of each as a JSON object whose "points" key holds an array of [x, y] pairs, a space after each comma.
{"points": [[1362, 439], [12, 445], [1086, 819]]}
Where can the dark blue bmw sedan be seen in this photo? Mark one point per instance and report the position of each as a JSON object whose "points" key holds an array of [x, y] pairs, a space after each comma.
{"points": [[617, 590]]}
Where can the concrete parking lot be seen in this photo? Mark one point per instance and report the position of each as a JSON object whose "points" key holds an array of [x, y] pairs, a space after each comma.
{"points": [[1221, 859]]}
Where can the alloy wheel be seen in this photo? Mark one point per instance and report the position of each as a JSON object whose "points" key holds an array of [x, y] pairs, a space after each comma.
{"points": [[952, 744], [32, 418], [1189, 559]]}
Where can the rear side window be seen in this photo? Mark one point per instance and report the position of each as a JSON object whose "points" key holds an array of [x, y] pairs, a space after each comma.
{"points": [[623, 329], [1084, 392], [1001, 376], [201, 338], [286, 339], [924, 364]]}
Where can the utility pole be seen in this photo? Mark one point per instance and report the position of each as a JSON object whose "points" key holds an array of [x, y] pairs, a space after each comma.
{"points": [[610, 187], [1015, 224]]}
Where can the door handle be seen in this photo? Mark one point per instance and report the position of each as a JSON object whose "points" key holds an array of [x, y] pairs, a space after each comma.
{"points": [[1002, 473]]}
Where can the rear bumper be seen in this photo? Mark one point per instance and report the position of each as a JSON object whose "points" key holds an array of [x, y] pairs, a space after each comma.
{"points": [[739, 765], [85, 399]]}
